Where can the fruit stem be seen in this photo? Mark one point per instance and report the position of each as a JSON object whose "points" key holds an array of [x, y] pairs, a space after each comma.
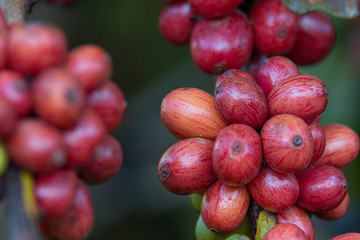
{"points": [[16, 10]]}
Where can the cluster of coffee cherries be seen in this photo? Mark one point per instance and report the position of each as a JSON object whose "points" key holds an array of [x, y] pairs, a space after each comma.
{"points": [[259, 136], [57, 109]]}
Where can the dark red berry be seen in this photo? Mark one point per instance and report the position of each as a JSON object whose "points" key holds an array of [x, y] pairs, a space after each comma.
{"points": [[232, 73], [8, 119], [213, 8], [337, 212], [286, 231]]}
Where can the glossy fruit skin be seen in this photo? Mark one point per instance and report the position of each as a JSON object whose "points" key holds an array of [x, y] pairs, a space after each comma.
{"points": [[16, 91], [322, 188], [109, 103], [337, 212], [286, 231], [8, 119], [58, 97], [213, 8], [76, 223], [105, 163], [220, 44], [90, 64], [36, 46], [318, 134], [303, 95], [274, 191], [236, 158], [298, 217], [81, 140], [287, 143], [223, 208], [273, 71], [176, 23], [315, 39], [232, 73], [241, 100], [55, 192], [186, 168], [36, 146], [275, 27], [347, 236], [342, 146], [191, 112]]}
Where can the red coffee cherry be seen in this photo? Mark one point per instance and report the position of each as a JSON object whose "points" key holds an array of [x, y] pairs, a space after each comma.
{"points": [[109, 103], [90, 64], [315, 39], [220, 44], [286, 231], [55, 192], [237, 155], [223, 208], [191, 112], [232, 73], [337, 212], [186, 167], [347, 236], [273, 71], [298, 217], [287, 143], [318, 134], [58, 97], [36, 46], [275, 27], [213, 8], [176, 23], [274, 191], [36, 146], [342, 146], [8, 119], [303, 95], [105, 163], [322, 188], [241, 100]]}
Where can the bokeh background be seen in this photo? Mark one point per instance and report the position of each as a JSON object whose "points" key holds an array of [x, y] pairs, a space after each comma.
{"points": [[134, 205]]}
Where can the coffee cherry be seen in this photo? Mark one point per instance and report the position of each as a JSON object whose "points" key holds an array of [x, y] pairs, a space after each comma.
{"points": [[223, 208], [347, 236], [237, 155], [105, 163], [191, 112], [186, 167], [80, 141], [275, 27], [220, 44], [58, 97], [90, 64], [34, 47], [318, 134], [55, 192], [176, 23], [342, 145], [274, 191], [322, 188], [241, 100], [315, 39], [36, 146], [213, 8], [337, 212], [232, 73], [8, 119], [286, 231], [109, 103], [273, 71], [298, 217], [287, 143], [15, 91], [302, 95]]}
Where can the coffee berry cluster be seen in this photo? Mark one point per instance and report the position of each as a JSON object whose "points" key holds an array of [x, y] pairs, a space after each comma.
{"points": [[57, 109], [258, 137]]}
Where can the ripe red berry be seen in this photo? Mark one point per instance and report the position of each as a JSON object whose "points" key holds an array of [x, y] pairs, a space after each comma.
{"points": [[109, 103], [58, 97], [213, 8], [318, 134], [223, 208], [232, 73], [186, 167], [337, 212], [286, 231], [274, 191], [36, 146], [36, 46], [287, 143], [221, 44], [237, 155], [275, 27], [90, 64]]}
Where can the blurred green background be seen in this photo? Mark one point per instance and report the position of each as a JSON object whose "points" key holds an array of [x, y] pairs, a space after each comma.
{"points": [[134, 205]]}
